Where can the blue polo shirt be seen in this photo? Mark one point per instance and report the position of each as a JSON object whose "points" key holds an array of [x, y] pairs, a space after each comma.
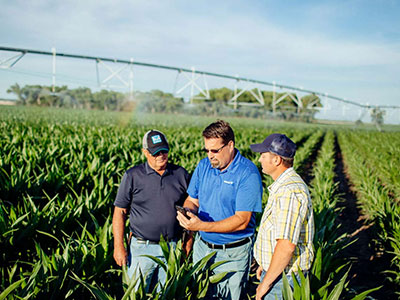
{"points": [[151, 200], [221, 194]]}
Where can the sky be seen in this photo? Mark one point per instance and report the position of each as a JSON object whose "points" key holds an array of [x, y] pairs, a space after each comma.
{"points": [[349, 49]]}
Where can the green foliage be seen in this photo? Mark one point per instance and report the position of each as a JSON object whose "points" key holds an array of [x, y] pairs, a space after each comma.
{"points": [[286, 107], [221, 95], [158, 101], [327, 277], [302, 291], [59, 173], [184, 279], [373, 169], [37, 95]]}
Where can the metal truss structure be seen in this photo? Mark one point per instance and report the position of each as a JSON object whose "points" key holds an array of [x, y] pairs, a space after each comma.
{"points": [[257, 96], [191, 83], [11, 61], [192, 76]]}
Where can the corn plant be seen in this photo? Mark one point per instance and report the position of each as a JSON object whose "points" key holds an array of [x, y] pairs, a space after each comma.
{"points": [[327, 277], [301, 290], [59, 174], [184, 280], [375, 202]]}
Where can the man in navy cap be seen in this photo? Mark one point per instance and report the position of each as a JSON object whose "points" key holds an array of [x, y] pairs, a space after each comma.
{"points": [[284, 240], [148, 193]]}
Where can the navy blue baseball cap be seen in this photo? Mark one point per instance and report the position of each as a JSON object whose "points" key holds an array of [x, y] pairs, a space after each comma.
{"points": [[276, 143], [155, 141]]}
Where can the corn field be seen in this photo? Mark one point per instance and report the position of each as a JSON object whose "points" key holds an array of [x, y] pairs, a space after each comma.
{"points": [[59, 175]]}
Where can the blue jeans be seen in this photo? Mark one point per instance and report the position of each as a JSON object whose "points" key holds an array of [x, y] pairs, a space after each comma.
{"points": [[238, 265], [148, 267], [276, 291]]}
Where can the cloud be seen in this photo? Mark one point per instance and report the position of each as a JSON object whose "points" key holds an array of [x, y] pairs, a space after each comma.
{"points": [[158, 31], [303, 43]]}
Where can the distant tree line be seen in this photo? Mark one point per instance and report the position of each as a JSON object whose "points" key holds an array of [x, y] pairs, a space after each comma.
{"points": [[159, 101], [224, 95], [37, 95], [285, 109], [217, 105]]}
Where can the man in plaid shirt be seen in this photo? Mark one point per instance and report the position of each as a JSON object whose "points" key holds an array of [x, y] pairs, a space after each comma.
{"points": [[284, 240]]}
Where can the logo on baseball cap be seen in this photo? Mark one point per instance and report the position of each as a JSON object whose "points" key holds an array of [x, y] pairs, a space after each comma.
{"points": [[155, 141]]}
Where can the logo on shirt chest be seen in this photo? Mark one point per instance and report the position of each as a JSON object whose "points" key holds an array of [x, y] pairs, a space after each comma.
{"points": [[228, 182]]}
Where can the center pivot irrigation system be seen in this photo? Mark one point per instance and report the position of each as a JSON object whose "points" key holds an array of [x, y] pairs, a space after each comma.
{"points": [[192, 77]]}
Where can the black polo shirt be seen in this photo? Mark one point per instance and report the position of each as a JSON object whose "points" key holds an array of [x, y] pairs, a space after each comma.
{"points": [[151, 200]]}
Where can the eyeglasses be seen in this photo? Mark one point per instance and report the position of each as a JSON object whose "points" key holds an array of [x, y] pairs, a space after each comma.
{"points": [[215, 151], [161, 152]]}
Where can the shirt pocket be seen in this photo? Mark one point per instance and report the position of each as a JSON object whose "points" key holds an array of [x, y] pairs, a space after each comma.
{"points": [[266, 220]]}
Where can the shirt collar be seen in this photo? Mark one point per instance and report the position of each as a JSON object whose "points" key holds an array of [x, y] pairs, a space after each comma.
{"points": [[150, 170], [281, 178]]}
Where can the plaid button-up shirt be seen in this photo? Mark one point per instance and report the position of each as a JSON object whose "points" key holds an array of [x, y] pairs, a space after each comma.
{"points": [[288, 215]]}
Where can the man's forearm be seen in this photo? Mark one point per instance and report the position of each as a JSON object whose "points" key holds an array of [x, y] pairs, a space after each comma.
{"points": [[118, 225], [283, 253], [237, 222]]}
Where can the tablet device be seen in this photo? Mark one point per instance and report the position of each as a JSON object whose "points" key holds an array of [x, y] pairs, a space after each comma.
{"points": [[183, 210]]}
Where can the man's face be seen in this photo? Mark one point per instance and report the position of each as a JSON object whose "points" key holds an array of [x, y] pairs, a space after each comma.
{"points": [[268, 162], [158, 161], [219, 154]]}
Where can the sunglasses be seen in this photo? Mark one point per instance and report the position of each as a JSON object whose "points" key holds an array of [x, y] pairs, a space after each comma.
{"points": [[161, 152], [215, 151]]}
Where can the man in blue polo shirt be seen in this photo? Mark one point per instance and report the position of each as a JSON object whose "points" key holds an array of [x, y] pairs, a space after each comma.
{"points": [[148, 193], [225, 191]]}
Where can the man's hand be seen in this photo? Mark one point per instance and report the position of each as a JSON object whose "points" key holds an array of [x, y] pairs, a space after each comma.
{"points": [[262, 289], [192, 224], [121, 256], [259, 272]]}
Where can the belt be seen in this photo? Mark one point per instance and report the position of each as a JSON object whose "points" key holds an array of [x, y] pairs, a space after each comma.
{"points": [[229, 245], [143, 241]]}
